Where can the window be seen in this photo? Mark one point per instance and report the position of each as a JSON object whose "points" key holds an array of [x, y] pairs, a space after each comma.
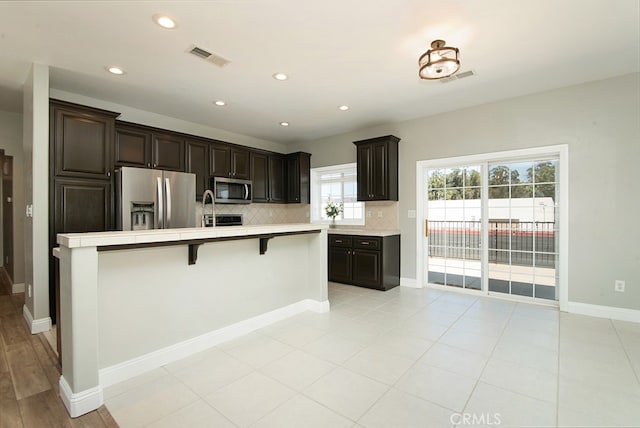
{"points": [[337, 184]]}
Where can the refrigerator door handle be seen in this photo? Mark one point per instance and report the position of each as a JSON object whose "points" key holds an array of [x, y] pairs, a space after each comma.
{"points": [[167, 186], [160, 208], [246, 192]]}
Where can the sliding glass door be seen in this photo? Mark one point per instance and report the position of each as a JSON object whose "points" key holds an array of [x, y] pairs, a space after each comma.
{"points": [[492, 226], [454, 226]]}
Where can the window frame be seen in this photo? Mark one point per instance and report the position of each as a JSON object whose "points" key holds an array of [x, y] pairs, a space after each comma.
{"points": [[316, 195]]}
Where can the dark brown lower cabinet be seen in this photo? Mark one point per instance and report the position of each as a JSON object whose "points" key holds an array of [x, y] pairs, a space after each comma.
{"points": [[366, 261]]}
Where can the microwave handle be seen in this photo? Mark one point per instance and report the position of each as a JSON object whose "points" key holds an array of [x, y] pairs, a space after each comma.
{"points": [[246, 192]]}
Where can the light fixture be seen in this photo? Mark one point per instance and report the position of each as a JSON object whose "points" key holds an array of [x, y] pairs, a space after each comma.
{"points": [[220, 103], [280, 76], [439, 62], [115, 70], [284, 123], [343, 108], [164, 21]]}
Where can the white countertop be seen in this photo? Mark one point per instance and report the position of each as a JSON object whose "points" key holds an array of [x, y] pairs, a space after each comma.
{"points": [[363, 232], [96, 239]]}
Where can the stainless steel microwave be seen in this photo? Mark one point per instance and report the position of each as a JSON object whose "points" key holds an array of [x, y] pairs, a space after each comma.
{"points": [[230, 190]]}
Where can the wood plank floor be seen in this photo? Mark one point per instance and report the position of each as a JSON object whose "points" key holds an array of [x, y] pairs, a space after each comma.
{"points": [[29, 374]]}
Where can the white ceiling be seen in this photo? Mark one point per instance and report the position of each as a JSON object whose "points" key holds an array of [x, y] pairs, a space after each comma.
{"points": [[362, 53]]}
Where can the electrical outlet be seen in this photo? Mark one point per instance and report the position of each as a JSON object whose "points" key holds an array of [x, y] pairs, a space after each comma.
{"points": [[379, 214], [368, 214], [29, 290], [619, 286], [411, 213]]}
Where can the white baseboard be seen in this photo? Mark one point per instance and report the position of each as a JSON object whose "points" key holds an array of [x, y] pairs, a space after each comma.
{"points": [[409, 282], [17, 288], [144, 363], [79, 403], [36, 326], [621, 314]]}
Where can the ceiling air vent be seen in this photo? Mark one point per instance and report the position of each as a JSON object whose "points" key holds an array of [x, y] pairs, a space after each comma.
{"points": [[209, 56], [458, 76]]}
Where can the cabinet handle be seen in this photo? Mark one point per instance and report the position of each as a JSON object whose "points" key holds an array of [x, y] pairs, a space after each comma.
{"points": [[149, 165], [339, 241], [155, 165], [108, 173], [364, 243]]}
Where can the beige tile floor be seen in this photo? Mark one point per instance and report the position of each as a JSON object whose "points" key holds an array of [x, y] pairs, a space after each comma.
{"points": [[403, 358]]}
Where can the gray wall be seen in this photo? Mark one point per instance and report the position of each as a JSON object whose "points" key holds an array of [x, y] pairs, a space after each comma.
{"points": [[11, 142], [35, 134], [600, 121]]}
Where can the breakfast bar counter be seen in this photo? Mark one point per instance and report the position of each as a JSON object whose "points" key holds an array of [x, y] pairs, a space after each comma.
{"points": [[133, 301]]}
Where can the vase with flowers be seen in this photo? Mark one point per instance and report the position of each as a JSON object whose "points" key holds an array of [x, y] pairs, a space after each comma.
{"points": [[333, 210]]}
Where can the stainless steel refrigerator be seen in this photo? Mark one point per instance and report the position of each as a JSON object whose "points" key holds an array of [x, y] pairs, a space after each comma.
{"points": [[154, 199]]}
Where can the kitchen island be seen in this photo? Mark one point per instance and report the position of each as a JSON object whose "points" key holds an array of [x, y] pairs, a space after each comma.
{"points": [[134, 301]]}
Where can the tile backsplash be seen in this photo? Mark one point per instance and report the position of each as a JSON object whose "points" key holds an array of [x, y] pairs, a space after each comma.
{"points": [[382, 215], [379, 215], [261, 213]]}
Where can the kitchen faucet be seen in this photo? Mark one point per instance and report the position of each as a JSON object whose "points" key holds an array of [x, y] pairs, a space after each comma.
{"points": [[203, 221]]}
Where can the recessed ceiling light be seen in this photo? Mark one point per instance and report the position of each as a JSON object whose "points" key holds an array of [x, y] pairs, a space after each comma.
{"points": [[284, 123], [280, 76], [220, 103], [343, 108], [164, 21], [115, 70]]}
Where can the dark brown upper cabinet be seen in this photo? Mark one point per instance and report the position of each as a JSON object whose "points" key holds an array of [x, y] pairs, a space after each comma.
{"points": [[377, 168], [298, 178], [146, 147], [132, 146], [82, 140], [197, 162], [168, 151], [229, 161], [268, 175]]}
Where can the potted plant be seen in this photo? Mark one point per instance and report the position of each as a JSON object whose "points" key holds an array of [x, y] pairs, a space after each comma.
{"points": [[333, 210]]}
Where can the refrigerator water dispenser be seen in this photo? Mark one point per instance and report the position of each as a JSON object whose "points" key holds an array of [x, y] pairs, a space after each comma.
{"points": [[142, 214]]}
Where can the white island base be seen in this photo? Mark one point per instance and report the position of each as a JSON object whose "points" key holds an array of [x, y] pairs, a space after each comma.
{"points": [[131, 301]]}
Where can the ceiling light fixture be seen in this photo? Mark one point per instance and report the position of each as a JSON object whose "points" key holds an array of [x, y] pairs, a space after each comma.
{"points": [[439, 62], [164, 21], [284, 123], [280, 76], [116, 70], [343, 108], [220, 103]]}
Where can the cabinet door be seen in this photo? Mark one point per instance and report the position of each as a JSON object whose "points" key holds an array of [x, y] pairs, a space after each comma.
{"points": [[364, 172], [219, 160], [339, 264], [240, 164], [260, 174], [379, 173], [168, 152], [367, 268], [82, 205], [293, 183], [82, 142], [132, 147], [276, 178], [197, 162]]}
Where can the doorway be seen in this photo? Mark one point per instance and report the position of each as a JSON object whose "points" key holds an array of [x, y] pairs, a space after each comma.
{"points": [[495, 224], [6, 189]]}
